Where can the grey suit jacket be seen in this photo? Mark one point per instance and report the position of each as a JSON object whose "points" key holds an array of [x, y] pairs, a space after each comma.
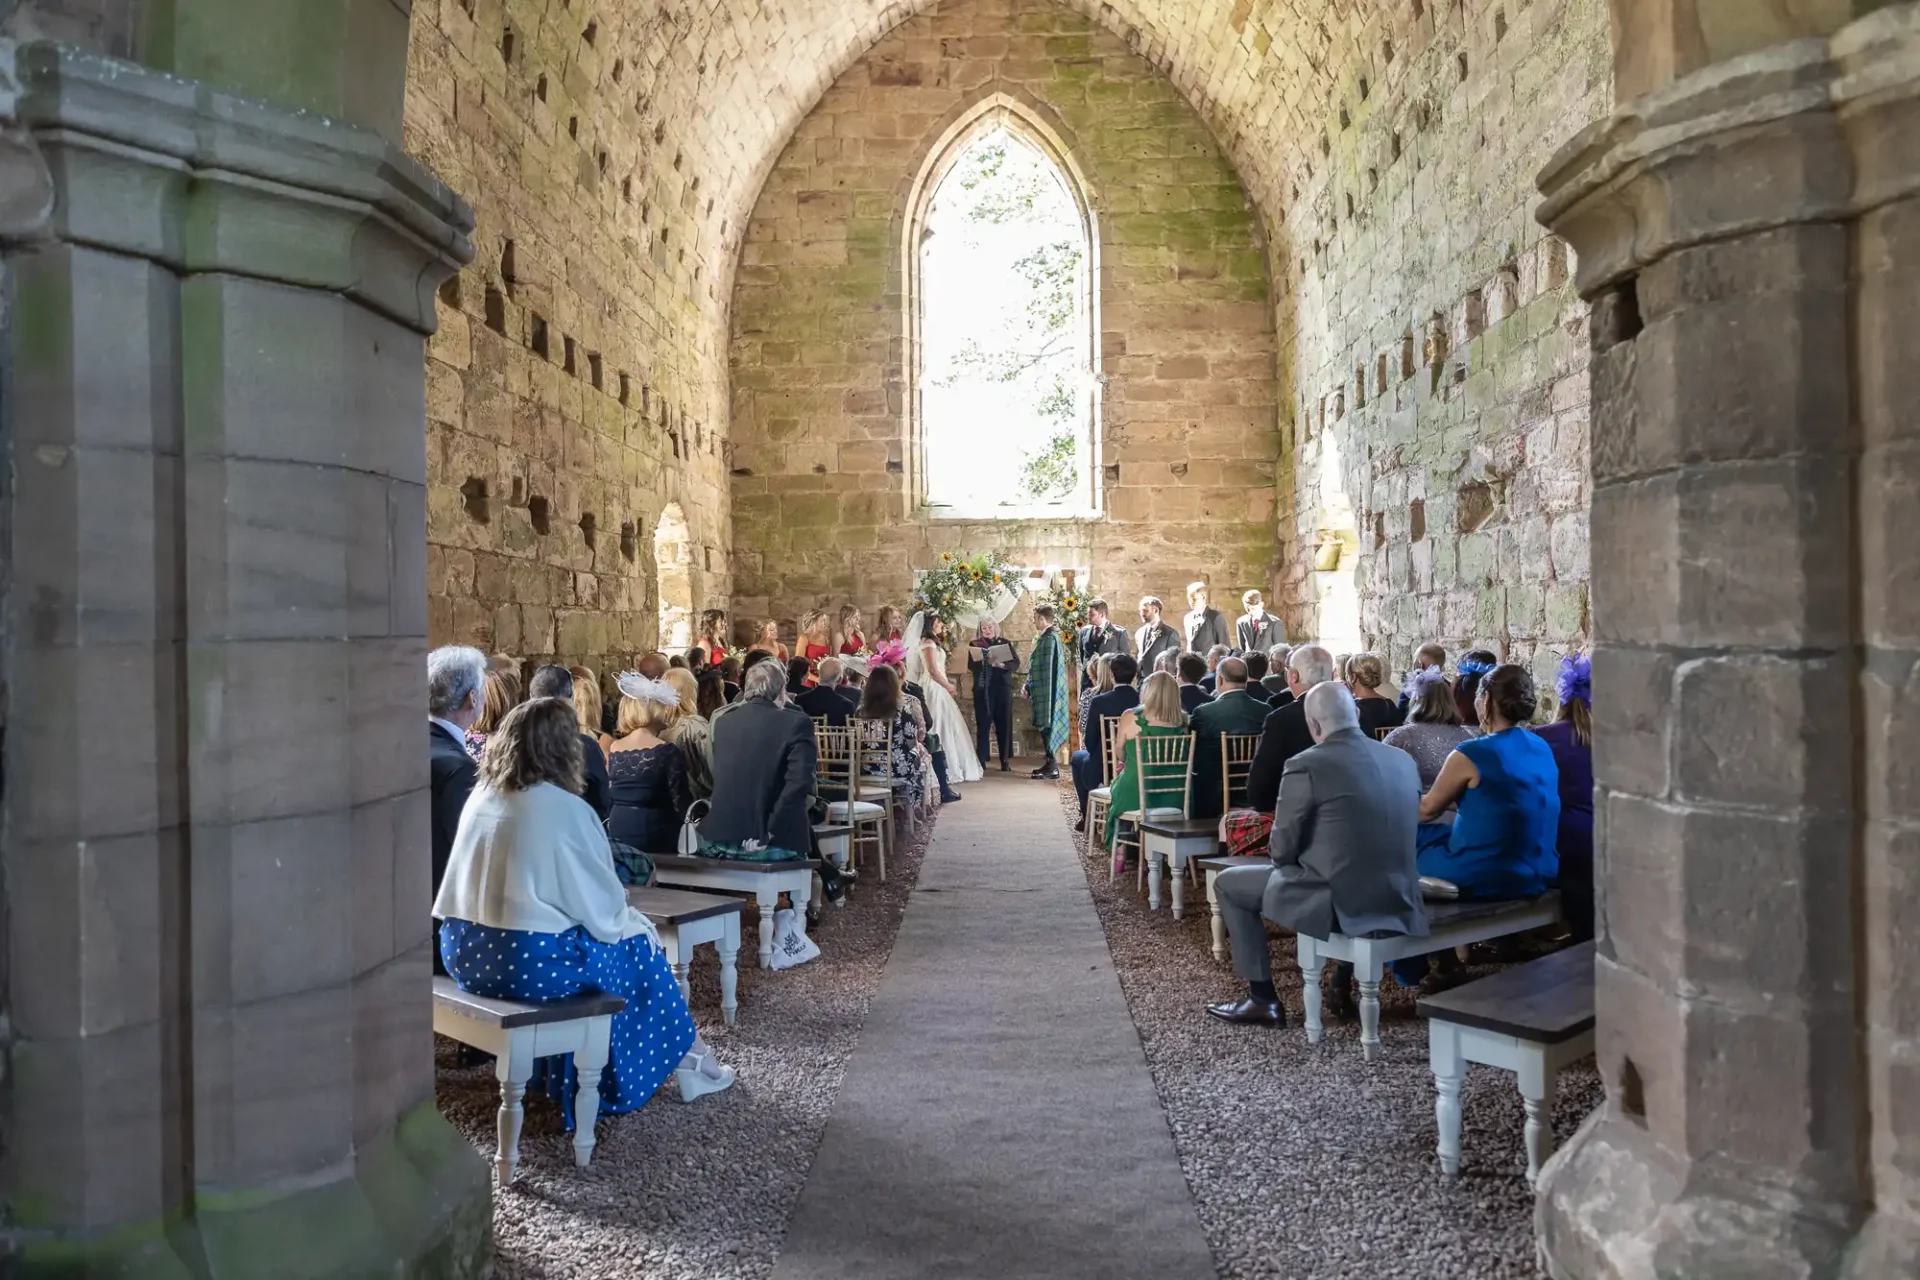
{"points": [[1343, 845]]}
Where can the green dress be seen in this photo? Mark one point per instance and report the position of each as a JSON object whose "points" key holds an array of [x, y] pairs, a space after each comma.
{"points": [[1167, 793]]}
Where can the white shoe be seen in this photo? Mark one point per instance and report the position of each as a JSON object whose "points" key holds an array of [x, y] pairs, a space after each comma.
{"points": [[696, 1083]]}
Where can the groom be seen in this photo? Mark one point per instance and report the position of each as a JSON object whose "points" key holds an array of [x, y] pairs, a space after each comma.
{"points": [[1047, 687]]}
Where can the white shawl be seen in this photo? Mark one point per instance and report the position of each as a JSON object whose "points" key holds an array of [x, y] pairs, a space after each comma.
{"points": [[536, 861]]}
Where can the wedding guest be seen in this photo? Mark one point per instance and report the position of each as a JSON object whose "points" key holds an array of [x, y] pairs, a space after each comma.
{"points": [[1256, 630], [1089, 763], [711, 694], [1204, 626], [1427, 657], [1100, 635], [1209, 681], [1158, 716], [696, 660], [764, 764], [677, 662], [884, 701], [1232, 710], [688, 729], [651, 790], [992, 694], [828, 700], [1366, 680], [713, 634], [531, 910], [456, 697], [730, 670], [1433, 727], [1279, 689], [1190, 669], [1257, 676], [1099, 680], [1047, 690], [1283, 735], [502, 695], [799, 676], [816, 637], [1571, 740], [1154, 637], [847, 637], [653, 665], [559, 682], [1475, 664]]}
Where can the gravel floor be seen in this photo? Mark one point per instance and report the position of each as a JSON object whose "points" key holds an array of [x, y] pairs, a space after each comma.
{"points": [[1306, 1162], [701, 1191]]}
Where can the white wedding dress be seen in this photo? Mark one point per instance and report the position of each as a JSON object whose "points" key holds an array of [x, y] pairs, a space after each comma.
{"points": [[956, 737]]}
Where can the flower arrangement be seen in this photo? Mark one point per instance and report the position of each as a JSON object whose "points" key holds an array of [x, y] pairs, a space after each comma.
{"points": [[1069, 601], [962, 585]]}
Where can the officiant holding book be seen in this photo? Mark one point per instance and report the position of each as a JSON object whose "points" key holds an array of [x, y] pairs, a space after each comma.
{"points": [[992, 660]]}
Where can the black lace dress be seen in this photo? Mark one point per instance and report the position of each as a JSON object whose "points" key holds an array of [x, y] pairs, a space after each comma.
{"points": [[651, 791]]}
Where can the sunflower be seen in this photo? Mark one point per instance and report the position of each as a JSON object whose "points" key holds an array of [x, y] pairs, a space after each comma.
{"points": [[1072, 603], [946, 557], [977, 575], [996, 579]]}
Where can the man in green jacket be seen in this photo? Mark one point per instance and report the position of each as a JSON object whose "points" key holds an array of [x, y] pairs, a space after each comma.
{"points": [[1232, 711], [1047, 687]]}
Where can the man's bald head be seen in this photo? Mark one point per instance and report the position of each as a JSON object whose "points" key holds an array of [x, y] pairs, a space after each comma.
{"points": [[1311, 665], [1330, 708]]}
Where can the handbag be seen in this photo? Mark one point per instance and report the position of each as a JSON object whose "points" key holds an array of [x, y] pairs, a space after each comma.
{"points": [[791, 947], [689, 842]]}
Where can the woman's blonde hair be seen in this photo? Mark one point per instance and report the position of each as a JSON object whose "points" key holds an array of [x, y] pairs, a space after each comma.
{"points": [[637, 713], [687, 685], [1160, 699], [811, 619], [503, 694], [587, 703], [536, 742], [1366, 670], [1103, 673], [848, 612]]}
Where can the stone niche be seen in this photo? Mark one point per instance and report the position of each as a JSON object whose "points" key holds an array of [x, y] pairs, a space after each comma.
{"points": [[824, 505]]}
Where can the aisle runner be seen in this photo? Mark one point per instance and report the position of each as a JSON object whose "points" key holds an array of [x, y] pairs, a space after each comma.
{"points": [[997, 1119]]}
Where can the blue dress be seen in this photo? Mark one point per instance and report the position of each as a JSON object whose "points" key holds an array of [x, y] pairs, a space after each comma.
{"points": [[650, 1037], [1502, 843]]}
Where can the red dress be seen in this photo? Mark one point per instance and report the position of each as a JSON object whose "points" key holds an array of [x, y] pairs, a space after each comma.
{"points": [[813, 653], [853, 644]]}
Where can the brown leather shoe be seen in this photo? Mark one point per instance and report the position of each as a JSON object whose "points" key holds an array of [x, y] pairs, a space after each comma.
{"points": [[1250, 1013]]}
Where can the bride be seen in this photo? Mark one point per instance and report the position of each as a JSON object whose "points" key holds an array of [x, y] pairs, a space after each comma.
{"points": [[927, 667]]}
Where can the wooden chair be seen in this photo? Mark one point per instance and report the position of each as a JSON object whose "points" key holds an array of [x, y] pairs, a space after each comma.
{"points": [[1101, 796], [840, 771], [1236, 762], [877, 783], [1164, 765]]}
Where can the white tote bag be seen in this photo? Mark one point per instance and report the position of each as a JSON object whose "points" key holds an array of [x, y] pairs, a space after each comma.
{"points": [[791, 947], [689, 842]]}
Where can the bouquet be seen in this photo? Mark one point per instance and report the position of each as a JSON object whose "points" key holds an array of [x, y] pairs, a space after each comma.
{"points": [[962, 591]]}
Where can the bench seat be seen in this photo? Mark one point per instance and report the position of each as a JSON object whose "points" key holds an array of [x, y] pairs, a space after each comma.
{"points": [[764, 881], [1169, 840], [516, 1033], [1532, 1020], [1211, 869], [1449, 924], [684, 920]]}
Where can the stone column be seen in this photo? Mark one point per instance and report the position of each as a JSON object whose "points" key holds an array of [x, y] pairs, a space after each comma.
{"points": [[215, 842], [1750, 239]]}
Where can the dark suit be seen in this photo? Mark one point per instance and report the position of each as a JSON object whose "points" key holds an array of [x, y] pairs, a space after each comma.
{"points": [[1210, 682], [993, 702], [1278, 694], [1262, 635], [1103, 639], [1206, 628], [453, 775], [1343, 853], [599, 791], [1283, 736], [763, 771], [1152, 640], [832, 705], [1235, 711], [1089, 763], [1193, 697]]}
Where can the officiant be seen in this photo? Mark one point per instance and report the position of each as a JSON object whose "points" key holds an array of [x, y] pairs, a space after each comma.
{"points": [[992, 660]]}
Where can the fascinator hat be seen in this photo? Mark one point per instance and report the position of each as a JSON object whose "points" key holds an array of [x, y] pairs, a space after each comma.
{"points": [[1575, 683], [1474, 667], [1424, 679], [638, 687], [890, 654]]}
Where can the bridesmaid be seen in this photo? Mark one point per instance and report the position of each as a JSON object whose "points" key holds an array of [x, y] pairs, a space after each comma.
{"points": [[815, 639], [847, 638], [713, 636], [892, 626], [769, 639]]}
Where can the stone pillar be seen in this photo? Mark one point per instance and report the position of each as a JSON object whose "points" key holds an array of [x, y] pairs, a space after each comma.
{"points": [[215, 844], [1749, 236]]}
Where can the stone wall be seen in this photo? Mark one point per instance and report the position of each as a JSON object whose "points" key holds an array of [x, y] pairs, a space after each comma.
{"points": [[823, 505], [1437, 352], [576, 388]]}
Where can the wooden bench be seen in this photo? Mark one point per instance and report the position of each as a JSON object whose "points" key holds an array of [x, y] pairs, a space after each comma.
{"points": [[1174, 842], [1211, 868], [1449, 924], [764, 881], [515, 1034], [684, 921], [1532, 1020]]}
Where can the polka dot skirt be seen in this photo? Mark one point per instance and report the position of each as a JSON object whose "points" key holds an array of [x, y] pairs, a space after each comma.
{"points": [[649, 1038]]}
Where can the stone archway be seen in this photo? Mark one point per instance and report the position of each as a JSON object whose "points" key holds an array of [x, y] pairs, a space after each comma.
{"points": [[673, 564]]}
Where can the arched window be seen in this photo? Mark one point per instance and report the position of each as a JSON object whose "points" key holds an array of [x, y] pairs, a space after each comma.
{"points": [[1001, 315], [673, 562]]}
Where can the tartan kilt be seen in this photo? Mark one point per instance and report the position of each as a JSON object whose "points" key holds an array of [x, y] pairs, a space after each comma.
{"points": [[1247, 831]]}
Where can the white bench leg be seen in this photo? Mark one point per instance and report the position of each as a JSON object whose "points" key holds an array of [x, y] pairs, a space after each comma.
{"points": [[1216, 923], [1443, 1051], [729, 948], [677, 960], [1369, 1010], [512, 1069], [768, 901], [590, 1062], [1537, 1087], [1310, 987], [1177, 868], [1152, 855]]}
